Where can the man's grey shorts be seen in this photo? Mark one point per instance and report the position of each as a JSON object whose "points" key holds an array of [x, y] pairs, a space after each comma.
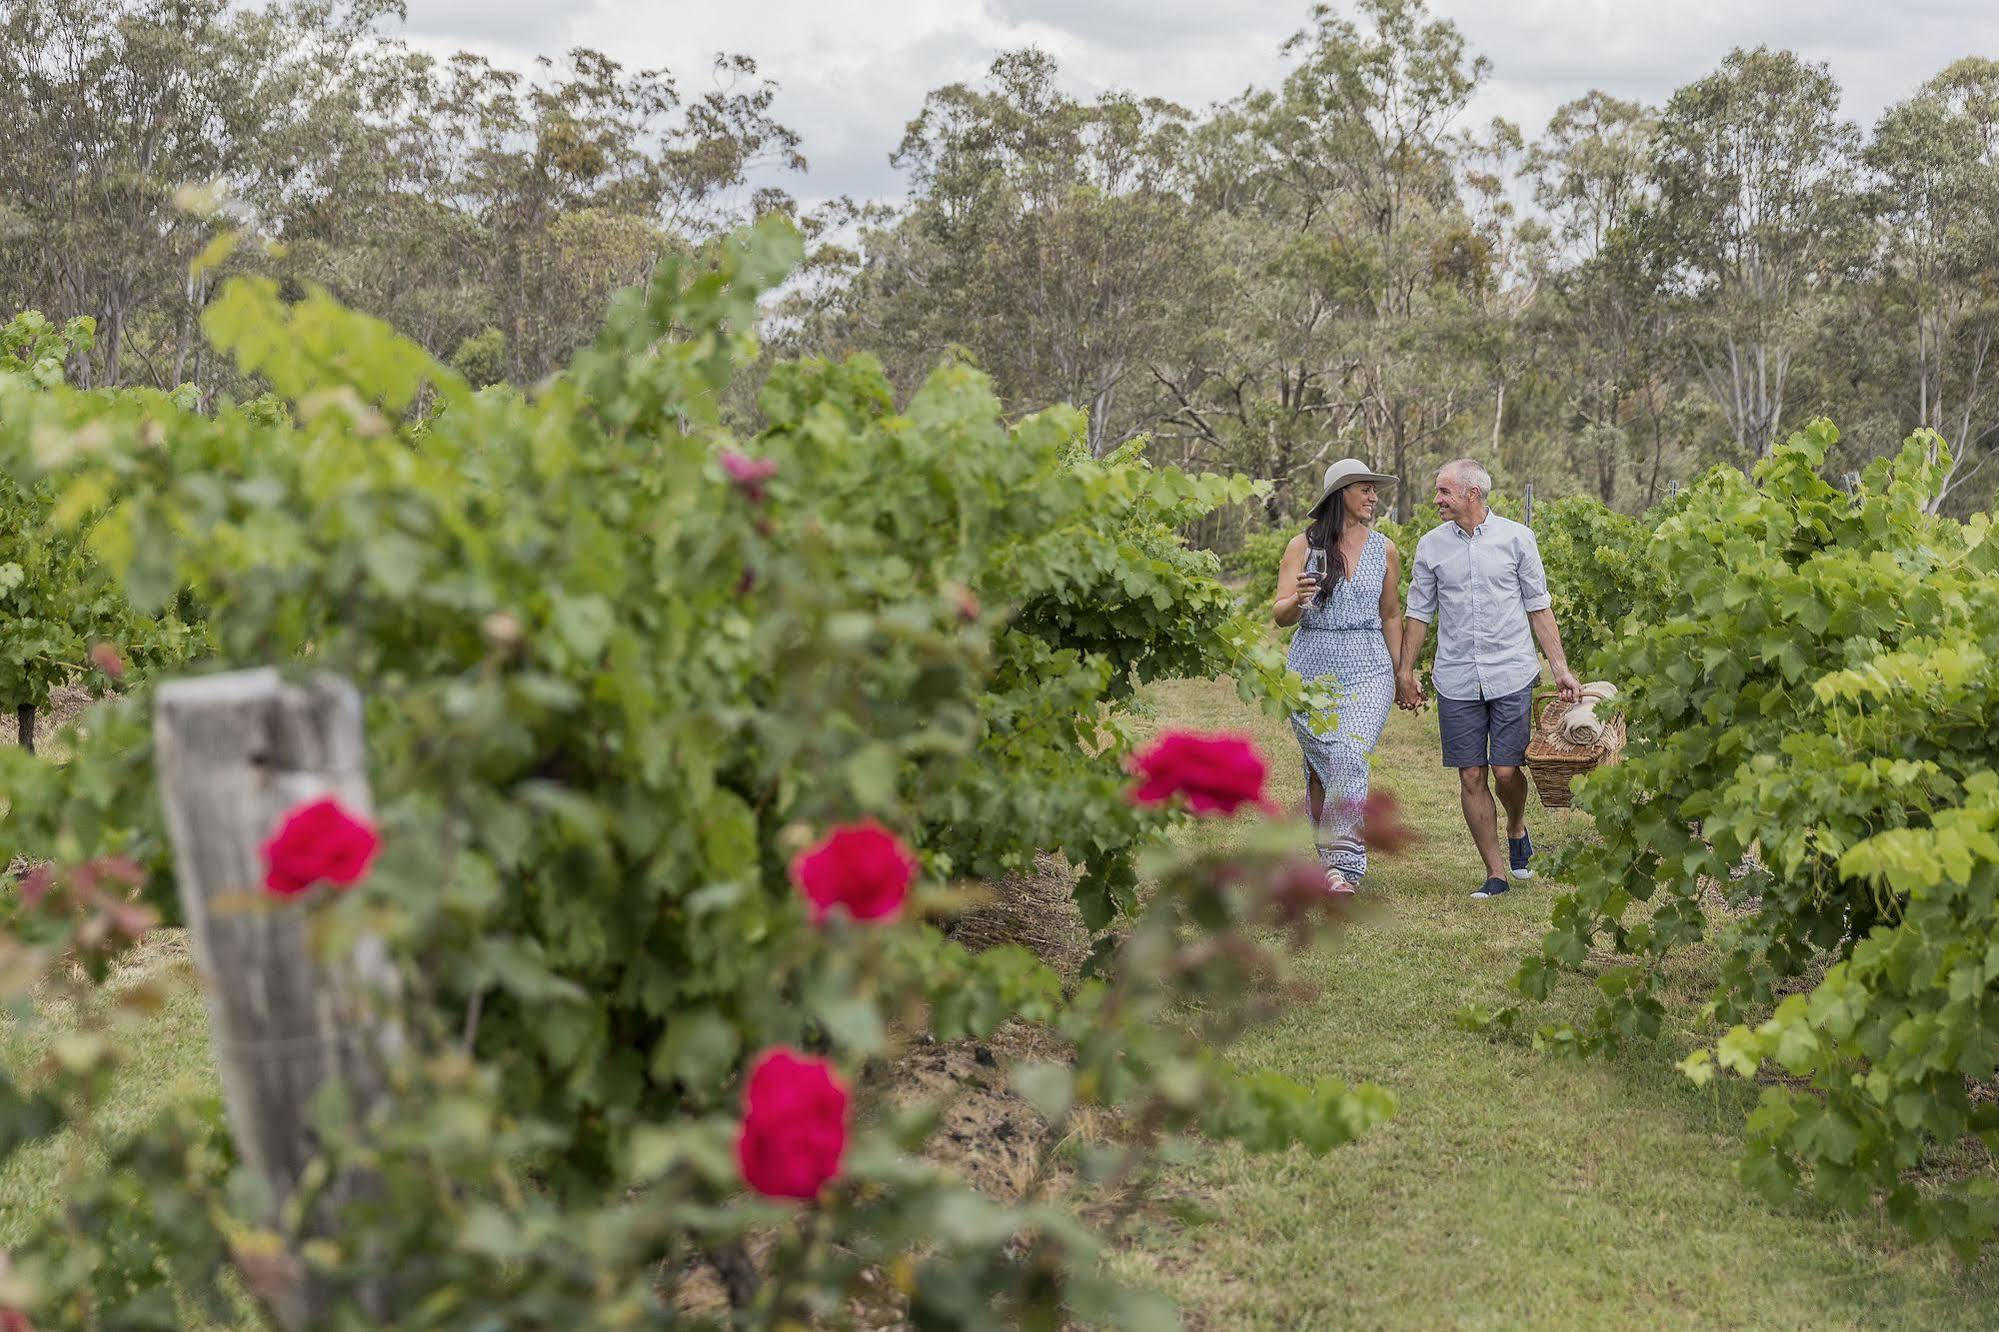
{"points": [[1486, 731]]}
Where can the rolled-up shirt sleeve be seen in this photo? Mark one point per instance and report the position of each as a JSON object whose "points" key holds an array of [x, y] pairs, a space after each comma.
{"points": [[1423, 587], [1533, 578]]}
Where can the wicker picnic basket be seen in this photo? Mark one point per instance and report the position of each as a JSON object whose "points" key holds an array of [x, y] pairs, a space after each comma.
{"points": [[1554, 763]]}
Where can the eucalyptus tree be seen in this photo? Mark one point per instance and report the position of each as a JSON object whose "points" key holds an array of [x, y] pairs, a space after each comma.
{"points": [[1938, 158], [456, 199], [1609, 322], [1048, 238], [1338, 194], [1362, 136], [1263, 380], [117, 108], [1761, 216], [490, 212], [1499, 261]]}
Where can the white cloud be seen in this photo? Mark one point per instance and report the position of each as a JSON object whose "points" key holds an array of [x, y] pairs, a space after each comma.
{"points": [[854, 72]]}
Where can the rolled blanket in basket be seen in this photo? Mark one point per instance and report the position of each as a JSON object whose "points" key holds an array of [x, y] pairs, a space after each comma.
{"points": [[1580, 725]]}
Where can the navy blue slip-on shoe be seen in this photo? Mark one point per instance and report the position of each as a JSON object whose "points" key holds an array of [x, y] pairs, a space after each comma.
{"points": [[1520, 851], [1493, 888]]}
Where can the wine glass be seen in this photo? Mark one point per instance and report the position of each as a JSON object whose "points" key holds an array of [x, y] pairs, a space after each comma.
{"points": [[1315, 565]]}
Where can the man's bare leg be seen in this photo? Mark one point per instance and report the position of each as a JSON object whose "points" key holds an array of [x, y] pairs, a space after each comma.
{"points": [[1482, 817], [1512, 785]]}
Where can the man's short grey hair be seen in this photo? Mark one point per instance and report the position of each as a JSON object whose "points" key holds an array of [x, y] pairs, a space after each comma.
{"points": [[1468, 472]]}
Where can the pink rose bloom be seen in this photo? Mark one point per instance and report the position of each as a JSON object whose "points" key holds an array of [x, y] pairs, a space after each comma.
{"points": [[862, 867], [319, 841], [1218, 774], [794, 1131]]}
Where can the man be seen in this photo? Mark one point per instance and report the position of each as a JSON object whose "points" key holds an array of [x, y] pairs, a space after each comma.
{"points": [[1480, 577]]}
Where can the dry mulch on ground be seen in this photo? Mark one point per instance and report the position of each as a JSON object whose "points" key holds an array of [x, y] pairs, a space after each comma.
{"points": [[1036, 911], [989, 1134]]}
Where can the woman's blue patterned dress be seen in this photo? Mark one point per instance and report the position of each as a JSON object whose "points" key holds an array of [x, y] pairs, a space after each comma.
{"points": [[1340, 636]]}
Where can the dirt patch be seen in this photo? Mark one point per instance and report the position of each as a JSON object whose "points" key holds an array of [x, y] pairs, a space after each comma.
{"points": [[986, 1134], [1037, 911]]}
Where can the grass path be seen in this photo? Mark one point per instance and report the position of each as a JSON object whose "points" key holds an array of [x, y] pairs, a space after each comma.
{"points": [[166, 1062], [1512, 1189]]}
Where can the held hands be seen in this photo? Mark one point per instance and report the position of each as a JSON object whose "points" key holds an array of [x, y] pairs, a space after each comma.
{"points": [[1408, 692]]}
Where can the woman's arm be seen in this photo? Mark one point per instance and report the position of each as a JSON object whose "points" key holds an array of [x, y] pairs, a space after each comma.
{"points": [[1294, 588], [1391, 607]]}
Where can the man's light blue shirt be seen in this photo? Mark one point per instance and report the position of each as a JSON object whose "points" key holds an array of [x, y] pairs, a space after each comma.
{"points": [[1479, 587]]}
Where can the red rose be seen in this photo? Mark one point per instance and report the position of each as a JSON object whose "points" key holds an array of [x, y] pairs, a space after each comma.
{"points": [[1382, 826], [14, 1320], [794, 1131], [319, 840], [748, 474], [1217, 773], [862, 866], [105, 658]]}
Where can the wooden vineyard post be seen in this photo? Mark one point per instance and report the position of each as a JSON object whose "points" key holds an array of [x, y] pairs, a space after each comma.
{"points": [[234, 752]]}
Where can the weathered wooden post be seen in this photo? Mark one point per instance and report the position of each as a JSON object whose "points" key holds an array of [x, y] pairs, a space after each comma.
{"points": [[234, 752], [1527, 513]]}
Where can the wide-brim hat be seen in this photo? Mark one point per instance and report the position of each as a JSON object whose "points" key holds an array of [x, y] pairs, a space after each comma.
{"points": [[1343, 474]]}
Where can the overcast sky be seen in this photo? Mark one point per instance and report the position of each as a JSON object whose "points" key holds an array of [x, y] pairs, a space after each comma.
{"points": [[852, 73]]}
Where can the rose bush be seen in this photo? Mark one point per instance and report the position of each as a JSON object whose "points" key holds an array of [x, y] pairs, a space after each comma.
{"points": [[595, 761]]}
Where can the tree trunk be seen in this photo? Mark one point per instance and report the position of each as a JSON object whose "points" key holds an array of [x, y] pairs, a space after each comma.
{"points": [[1400, 440], [114, 342], [24, 726]]}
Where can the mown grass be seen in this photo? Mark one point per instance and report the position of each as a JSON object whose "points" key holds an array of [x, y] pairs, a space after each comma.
{"points": [[163, 1059], [1512, 1189]]}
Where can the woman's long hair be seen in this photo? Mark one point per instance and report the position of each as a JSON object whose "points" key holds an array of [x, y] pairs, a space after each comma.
{"points": [[1325, 533]]}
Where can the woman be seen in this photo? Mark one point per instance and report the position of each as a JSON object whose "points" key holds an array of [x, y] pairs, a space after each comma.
{"points": [[1350, 629]]}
